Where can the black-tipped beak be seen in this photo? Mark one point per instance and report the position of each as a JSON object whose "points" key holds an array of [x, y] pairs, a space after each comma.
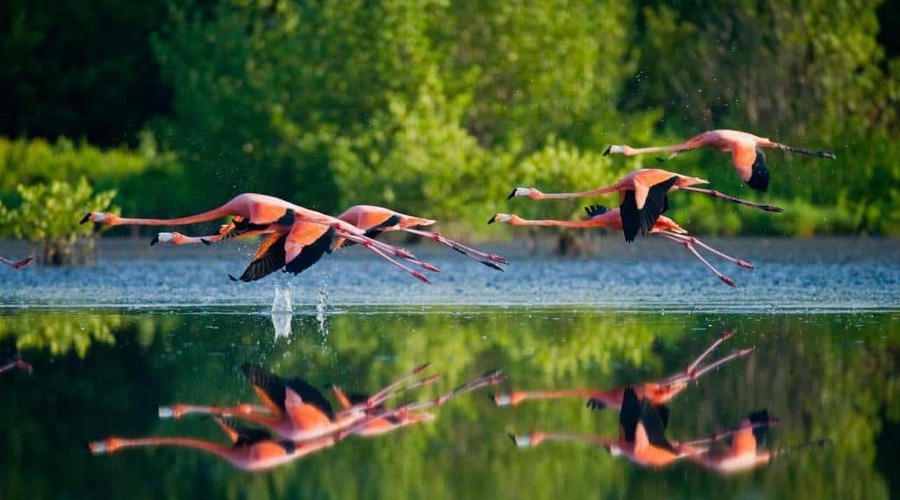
{"points": [[491, 220], [512, 437], [206, 242], [512, 194], [154, 241], [85, 218], [606, 151]]}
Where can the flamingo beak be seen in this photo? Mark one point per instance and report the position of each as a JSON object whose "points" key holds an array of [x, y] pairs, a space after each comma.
{"points": [[492, 219], [155, 240], [85, 218], [606, 151]]}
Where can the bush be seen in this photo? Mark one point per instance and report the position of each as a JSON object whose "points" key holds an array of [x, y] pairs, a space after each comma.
{"points": [[48, 217]]}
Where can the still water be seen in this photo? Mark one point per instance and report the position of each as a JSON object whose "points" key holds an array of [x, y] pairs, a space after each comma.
{"points": [[112, 342]]}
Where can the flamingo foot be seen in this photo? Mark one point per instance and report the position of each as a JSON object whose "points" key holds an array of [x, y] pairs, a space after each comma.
{"points": [[728, 281], [420, 276], [745, 264]]}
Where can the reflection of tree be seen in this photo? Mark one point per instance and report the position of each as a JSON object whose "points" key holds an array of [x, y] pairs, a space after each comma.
{"points": [[808, 371], [60, 333]]}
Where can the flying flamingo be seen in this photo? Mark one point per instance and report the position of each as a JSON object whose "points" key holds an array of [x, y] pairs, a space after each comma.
{"points": [[17, 362], [643, 196], [641, 438], [251, 449], [745, 452], [271, 214], [602, 217], [746, 152], [657, 392], [17, 264]]}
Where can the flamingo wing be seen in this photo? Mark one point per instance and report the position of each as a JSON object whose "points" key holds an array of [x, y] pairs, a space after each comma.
{"points": [[653, 425], [311, 396], [305, 247], [270, 388], [629, 415], [641, 220], [241, 435], [269, 257], [750, 162]]}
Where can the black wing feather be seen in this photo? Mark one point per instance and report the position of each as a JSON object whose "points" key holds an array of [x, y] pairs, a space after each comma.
{"points": [[266, 264], [654, 426], [311, 253], [311, 395], [268, 382], [629, 414], [246, 436], [759, 174]]}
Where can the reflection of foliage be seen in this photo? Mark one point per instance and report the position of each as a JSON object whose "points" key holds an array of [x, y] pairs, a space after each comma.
{"points": [[823, 377], [46, 217], [61, 333]]}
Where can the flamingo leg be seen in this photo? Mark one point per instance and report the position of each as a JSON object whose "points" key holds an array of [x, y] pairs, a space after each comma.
{"points": [[718, 436], [723, 196], [488, 259], [687, 243], [696, 241], [394, 387], [367, 242], [490, 378]]}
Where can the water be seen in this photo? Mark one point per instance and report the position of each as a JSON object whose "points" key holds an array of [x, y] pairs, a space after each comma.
{"points": [[112, 342]]}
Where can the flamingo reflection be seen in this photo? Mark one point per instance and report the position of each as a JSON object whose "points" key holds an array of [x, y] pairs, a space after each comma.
{"points": [[296, 410], [657, 392], [250, 450], [641, 438]]}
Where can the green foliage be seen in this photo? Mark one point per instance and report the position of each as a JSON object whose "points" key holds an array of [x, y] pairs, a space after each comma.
{"points": [[48, 216]]}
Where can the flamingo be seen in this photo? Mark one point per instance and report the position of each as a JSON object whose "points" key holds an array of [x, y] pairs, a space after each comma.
{"points": [[263, 213], [293, 408], [665, 227], [376, 220], [657, 392], [746, 152], [641, 438], [643, 196], [251, 449], [16, 362], [17, 264], [745, 452]]}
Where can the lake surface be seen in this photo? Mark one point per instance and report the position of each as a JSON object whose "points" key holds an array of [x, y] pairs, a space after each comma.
{"points": [[143, 327]]}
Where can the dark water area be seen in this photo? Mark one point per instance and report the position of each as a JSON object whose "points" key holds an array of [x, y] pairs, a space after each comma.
{"points": [[141, 328]]}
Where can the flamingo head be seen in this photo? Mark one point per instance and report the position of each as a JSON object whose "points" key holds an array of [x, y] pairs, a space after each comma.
{"points": [[614, 150], [500, 218], [100, 218], [511, 399], [109, 445], [526, 440], [613, 449]]}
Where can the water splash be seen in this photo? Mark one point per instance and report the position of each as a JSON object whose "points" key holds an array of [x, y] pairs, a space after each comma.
{"points": [[322, 308], [282, 309]]}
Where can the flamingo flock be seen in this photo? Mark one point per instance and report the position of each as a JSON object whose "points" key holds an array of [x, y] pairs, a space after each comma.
{"points": [[643, 419], [296, 419]]}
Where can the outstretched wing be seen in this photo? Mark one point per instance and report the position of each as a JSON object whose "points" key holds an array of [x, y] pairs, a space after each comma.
{"points": [[311, 396], [636, 220], [306, 244], [270, 388], [629, 415], [241, 435], [653, 425], [269, 258]]}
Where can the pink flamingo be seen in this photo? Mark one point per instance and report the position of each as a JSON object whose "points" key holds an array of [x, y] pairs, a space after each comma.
{"points": [[269, 214], [602, 217], [746, 152], [643, 196]]}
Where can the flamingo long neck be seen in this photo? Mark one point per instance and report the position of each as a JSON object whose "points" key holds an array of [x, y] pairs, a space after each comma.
{"points": [[197, 444], [581, 194], [565, 393], [629, 151], [216, 213], [594, 222], [571, 436]]}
